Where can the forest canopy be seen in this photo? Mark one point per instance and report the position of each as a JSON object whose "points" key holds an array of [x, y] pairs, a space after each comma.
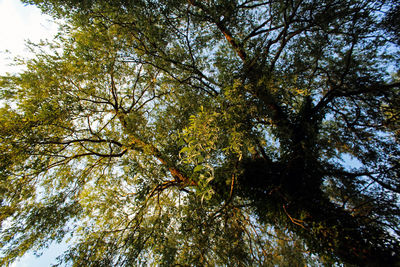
{"points": [[206, 133]]}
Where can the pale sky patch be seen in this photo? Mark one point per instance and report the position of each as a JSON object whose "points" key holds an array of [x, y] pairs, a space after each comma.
{"points": [[19, 23]]}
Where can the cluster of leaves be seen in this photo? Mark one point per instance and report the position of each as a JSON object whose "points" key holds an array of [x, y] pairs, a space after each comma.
{"points": [[205, 133]]}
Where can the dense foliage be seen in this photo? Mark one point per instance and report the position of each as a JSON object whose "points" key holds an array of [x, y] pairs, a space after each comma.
{"points": [[206, 132]]}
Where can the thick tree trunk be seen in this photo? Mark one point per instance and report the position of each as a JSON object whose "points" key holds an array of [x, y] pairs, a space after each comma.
{"points": [[287, 195]]}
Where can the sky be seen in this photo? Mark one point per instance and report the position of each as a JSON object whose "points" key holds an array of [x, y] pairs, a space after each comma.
{"points": [[18, 23]]}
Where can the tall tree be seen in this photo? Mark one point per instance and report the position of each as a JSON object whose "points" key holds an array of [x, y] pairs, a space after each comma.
{"points": [[206, 133]]}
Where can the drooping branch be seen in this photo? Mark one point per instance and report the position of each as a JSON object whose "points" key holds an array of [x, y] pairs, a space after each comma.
{"points": [[80, 140], [342, 91], [370, 175]]}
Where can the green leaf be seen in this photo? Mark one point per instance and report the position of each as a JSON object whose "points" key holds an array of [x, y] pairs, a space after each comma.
{"points": [[198, 168]]}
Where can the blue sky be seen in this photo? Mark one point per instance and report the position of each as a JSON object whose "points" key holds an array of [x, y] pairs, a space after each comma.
{"points": [[17, 24]]}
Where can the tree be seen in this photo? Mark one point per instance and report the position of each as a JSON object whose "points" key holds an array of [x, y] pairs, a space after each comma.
{"points": [[205, 133]]}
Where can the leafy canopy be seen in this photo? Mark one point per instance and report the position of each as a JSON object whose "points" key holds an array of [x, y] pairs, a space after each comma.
{"points": [[206, 133]]}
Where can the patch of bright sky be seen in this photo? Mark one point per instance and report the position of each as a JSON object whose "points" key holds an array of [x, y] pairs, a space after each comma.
{"points": [[18, 23]]}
